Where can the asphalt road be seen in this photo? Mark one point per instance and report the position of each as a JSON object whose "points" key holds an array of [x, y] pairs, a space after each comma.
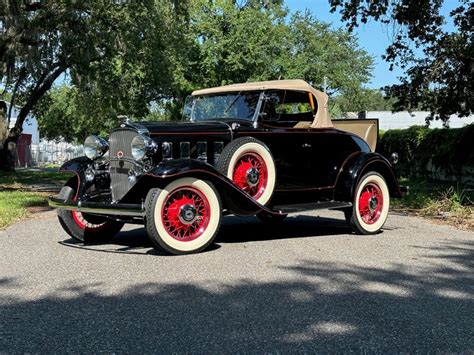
{"points": [[307, 285]]}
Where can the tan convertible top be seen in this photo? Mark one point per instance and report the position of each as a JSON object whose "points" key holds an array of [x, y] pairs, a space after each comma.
{"points": [[321, 119]]}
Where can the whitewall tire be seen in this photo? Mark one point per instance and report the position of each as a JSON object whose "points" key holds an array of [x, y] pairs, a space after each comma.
{"points": [[249, 164], [184, 217], [370, 205]]}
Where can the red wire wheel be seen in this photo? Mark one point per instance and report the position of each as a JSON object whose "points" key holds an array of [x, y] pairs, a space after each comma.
{"points": [[251, 174], [186, 214], [183, 217], [83, 223], [85, 227], [370, 203], [88, 222]]}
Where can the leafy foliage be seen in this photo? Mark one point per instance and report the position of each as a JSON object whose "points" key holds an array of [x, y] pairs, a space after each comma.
{"points": [[202, 45], [259, 42], [99, 45], [440, 80], [448, 150], [142, 58], [366, 100]]}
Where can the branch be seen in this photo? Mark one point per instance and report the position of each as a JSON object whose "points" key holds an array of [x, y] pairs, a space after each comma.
{"points": [[21, 76], [35, 96]]}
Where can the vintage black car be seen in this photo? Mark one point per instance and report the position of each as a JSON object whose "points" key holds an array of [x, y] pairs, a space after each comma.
{"points": [[264, 149]]}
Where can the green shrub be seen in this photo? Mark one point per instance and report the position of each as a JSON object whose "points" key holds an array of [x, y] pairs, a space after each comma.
{"points": [[420, 149]]}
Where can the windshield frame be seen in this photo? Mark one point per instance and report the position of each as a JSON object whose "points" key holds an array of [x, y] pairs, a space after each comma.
{"points": [[253, 120]]}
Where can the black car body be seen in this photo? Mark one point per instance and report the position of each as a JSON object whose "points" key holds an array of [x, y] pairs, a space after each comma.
{"points": [[277, 153]]}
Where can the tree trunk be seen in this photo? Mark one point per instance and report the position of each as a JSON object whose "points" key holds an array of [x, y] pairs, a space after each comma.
{"points": [[7, 154], [8, 148], [7, 158]]}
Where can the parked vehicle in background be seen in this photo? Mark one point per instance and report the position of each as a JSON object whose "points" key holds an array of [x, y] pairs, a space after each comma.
{"points": [[264, 149]]}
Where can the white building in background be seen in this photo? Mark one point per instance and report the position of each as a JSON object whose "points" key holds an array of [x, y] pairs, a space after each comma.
{"points": [[33, 151], [30, 126], [405, 119]]}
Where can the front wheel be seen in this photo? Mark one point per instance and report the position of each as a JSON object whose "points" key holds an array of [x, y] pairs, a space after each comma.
{"points": [[370, 206], [184, 217], [85, 227]]}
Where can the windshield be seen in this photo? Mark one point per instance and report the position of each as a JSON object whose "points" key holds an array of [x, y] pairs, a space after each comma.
{"points": [[237, 105]]}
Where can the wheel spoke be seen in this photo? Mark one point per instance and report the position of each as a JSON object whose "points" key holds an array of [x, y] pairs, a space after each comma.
{"points": [[179, 229], [246, 163], [370, 203]]}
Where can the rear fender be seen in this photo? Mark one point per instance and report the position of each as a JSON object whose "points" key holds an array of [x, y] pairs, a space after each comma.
{"points": [[356, 168], [233, 198]]}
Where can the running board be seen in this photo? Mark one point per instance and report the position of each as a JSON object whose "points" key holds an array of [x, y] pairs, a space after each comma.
{"points": [[330, 205]]}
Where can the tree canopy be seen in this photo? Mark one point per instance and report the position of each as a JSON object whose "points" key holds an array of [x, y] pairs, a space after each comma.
{"points": [[142, 58], [440, 78], [366, 100], [201, 45]]}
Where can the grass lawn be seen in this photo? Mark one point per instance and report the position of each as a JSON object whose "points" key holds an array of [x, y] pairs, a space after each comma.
{"points": [[20, 192], [22, 177], [14, 205]]}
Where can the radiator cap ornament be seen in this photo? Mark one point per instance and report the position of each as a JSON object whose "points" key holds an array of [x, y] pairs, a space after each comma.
{"points": [[125, 120]]}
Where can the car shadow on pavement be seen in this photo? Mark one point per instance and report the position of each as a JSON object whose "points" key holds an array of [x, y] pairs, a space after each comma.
{"points": [[233, 230], [247, 229], [323, 307]]}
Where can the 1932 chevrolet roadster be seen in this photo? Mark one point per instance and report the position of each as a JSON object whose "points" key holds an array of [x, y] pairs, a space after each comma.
{"points": [[264, 149]]}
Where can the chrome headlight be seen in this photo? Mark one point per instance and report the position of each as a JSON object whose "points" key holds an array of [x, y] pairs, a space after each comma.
{"points": [[142, 146], [95, 147]]}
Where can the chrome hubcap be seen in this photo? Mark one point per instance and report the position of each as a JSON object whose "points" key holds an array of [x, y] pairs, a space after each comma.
{"points": [[253, 176], [373, 203], [187, 214]]}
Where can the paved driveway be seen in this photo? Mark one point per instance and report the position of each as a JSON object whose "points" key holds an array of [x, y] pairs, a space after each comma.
{"points": [[307, 285]]}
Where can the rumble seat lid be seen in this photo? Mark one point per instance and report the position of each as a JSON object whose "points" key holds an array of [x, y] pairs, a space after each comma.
{"points": [[321, 119]]}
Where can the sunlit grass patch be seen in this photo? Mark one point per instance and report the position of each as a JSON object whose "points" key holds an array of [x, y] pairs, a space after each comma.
{"points": [[22, 177], [14, 204], [439, 200]]}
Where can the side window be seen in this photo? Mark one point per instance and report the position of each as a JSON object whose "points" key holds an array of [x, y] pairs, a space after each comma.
{"points": [[297, 106], [289, 106], [273, 100]]}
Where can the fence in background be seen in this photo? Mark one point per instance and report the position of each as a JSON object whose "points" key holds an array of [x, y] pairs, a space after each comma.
{"points": [[44, 153]]}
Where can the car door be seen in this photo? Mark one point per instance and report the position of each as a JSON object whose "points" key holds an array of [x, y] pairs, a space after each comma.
{"points": [[293, 147]]}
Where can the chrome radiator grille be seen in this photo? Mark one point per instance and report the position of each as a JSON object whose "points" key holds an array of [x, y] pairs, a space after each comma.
{"points": [[121, 162]]}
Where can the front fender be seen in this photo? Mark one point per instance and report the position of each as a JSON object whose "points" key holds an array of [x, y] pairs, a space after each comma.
{"points": [[354, 169], [233, 198], [77, 166]]}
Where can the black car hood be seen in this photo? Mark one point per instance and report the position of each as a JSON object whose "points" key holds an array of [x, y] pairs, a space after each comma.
{"points": [[186, 127]]}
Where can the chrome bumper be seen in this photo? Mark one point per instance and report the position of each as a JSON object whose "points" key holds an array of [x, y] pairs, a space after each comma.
{"points": [[119, 209]]}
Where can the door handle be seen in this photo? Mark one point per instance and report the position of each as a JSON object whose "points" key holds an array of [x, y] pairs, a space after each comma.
{"points": [[306, 145]]}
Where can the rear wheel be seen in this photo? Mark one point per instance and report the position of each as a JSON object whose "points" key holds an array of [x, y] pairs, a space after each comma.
{"points": [[83, 226], [371, 204], [184, 217]]}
